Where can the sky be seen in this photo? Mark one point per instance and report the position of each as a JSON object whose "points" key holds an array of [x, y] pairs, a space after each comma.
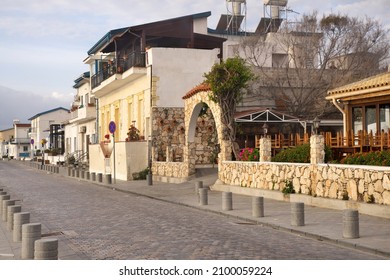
{"points": [[43, 43]]}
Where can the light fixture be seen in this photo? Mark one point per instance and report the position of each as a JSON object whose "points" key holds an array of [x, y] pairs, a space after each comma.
{"points": [[316, 124], [265, 129]]}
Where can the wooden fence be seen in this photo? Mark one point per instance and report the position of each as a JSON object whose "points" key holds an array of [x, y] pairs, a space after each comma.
{"points": [[340, 144]]}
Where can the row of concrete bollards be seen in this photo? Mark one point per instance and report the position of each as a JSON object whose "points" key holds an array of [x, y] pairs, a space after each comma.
{"points": [[29, 234], [75, 172], [92, 176], [45, 167], [350, 217]]}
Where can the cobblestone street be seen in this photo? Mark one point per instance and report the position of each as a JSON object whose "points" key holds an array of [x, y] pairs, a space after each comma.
{"points": [[93, 222]]}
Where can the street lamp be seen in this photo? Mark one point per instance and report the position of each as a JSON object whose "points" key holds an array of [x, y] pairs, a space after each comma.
{"points": [[149, 175], [265, 129], [316, 124]]}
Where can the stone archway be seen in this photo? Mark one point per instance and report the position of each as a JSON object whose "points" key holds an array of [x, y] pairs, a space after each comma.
{"points": [[193, 103], [173, 171]]}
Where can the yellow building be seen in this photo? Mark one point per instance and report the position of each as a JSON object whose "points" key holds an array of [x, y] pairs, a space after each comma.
{"points": [[139, 68]]}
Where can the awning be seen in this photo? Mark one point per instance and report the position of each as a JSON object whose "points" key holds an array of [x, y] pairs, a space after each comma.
{"points": [[266, 116]]}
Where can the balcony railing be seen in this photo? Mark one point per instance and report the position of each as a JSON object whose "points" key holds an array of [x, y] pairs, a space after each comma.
{"points": [[135, 59], [20, 141]]}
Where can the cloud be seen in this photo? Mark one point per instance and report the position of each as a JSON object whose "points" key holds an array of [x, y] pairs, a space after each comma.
{"points": [[23, 105], [60, 97]]}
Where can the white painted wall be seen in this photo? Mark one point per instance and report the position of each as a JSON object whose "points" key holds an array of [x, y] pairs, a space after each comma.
{"points": [[130, 157], [178, 71], [42, 123], [200, 26]]}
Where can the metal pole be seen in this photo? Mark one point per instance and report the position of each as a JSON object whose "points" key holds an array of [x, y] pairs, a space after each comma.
{"points": [[150, 176], [113, 137]]}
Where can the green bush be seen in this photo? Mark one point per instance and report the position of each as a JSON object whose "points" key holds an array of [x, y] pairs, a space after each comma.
{"points": [[379, 158], [289, 188], [141, 175], [299, 154]]}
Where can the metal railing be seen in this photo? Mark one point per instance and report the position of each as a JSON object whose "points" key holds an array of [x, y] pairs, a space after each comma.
{"points": [[76, 158], [20, 141], [135, 59]]}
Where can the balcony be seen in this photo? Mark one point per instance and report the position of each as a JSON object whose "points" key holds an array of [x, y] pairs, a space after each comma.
{"points": [[18, 141], [83, 113], [118, 73]]}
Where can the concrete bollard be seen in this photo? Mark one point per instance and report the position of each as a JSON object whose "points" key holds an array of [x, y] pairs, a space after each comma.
{"points": [[107, 179], [69, 171], [19, 220], [10, 215], [82, 174], [46, 249], [227, 201], [297, 214], [87, 175], [258, 206], [73, 172], [203, 196], [198, 185], [149, 179], [4, 211], [350, 223], [77, 173], [93, 176], [30, 233], [100, 177], [2, 198]]}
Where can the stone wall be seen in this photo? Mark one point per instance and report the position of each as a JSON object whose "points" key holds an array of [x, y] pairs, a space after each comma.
{"points": [[356, 183], [171, 169], [169, 136]]}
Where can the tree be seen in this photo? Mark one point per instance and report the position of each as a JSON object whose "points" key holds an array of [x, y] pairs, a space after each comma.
{"points": [[301, 62], [227, 81]]}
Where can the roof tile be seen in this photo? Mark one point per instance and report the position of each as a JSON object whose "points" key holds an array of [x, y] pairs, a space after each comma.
{"points": [[199, 88]]}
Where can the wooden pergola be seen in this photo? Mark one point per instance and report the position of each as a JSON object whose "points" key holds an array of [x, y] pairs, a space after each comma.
{"points": [[365, 106]]}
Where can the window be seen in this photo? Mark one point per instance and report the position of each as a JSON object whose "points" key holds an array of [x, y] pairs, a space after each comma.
{"points": [[370, 119], [384, 115], [25, 148], [279, 60], [357, 119]]}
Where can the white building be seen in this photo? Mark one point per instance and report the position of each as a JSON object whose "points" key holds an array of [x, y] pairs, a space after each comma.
{"points": [[80, 130], [138, 71], [6, 136], [46, 130], [19, 146]]}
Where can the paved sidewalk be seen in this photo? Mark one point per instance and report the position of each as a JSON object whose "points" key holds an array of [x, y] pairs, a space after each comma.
{"points": [[320, 223]]}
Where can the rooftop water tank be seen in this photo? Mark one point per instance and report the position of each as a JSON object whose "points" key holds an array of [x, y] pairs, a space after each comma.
{"points": [[281, 3], [236, 6]]}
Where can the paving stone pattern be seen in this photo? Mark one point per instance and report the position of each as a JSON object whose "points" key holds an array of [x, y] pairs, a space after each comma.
{"points": [[93, 222]]}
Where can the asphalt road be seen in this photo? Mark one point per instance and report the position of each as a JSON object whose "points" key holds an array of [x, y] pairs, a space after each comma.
{"points": [[99, 223]]}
